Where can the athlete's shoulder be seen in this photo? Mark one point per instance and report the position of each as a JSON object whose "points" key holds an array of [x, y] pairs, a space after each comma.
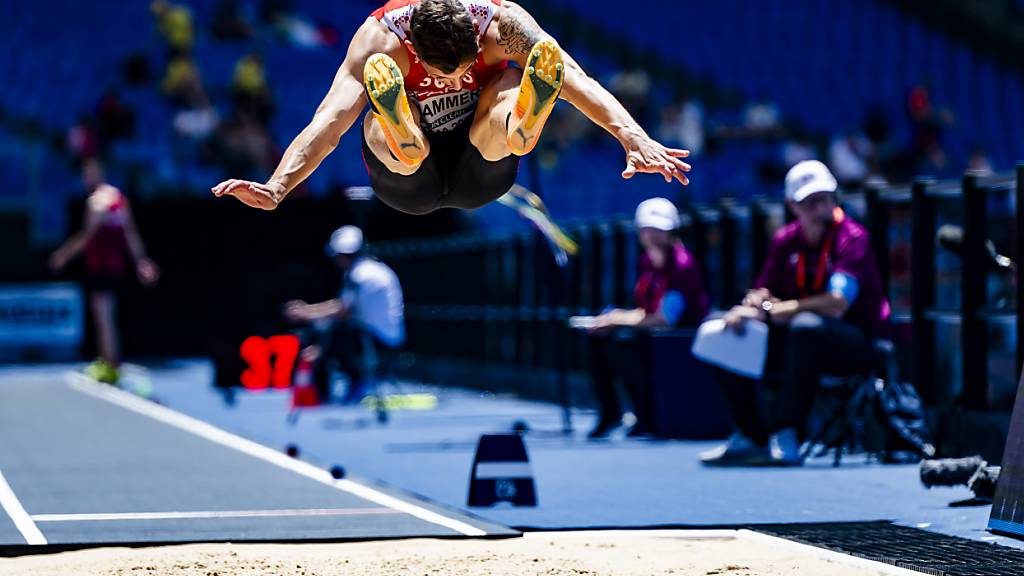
{"points": [[504, 10], [392, 6], [373, 36], [106, 198], [375, 31], [512, 33]]}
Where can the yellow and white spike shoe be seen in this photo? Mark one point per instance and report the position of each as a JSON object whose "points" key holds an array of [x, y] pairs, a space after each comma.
{"points": [[538, 91], [385, 89]]}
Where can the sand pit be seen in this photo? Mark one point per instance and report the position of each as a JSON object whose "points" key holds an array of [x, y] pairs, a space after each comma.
{"points": [[575, 554]]}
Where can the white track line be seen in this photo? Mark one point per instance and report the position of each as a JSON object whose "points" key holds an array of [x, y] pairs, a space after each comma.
{"points": [[14, 509], [212, 514], [83, 384]]}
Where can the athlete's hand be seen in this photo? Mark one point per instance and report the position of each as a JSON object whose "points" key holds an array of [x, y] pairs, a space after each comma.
{"points": [[58, 260], [147, 271], [262, 196], [644, 154]]}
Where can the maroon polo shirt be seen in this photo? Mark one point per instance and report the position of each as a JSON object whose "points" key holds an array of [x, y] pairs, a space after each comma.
{"points": [[849, 253], [682, 274]]}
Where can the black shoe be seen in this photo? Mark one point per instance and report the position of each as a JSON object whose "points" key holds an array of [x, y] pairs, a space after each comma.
{"points": [[604, 428], [737, 451]]}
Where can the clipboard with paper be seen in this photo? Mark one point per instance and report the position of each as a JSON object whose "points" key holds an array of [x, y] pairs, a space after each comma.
{"points": [[742, 354]]}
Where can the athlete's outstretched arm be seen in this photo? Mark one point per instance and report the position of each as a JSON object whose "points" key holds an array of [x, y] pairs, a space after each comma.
{"points": [[145, 269], [518, 31], [338, 111], [74, 245]]}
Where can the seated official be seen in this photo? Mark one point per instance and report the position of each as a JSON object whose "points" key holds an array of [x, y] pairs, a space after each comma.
{"points": [[669, 292], [369, 312], [820, 292]]}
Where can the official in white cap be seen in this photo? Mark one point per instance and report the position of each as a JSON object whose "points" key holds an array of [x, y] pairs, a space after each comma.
{"points": [[367, 316], [820, 293], [669, 292]]}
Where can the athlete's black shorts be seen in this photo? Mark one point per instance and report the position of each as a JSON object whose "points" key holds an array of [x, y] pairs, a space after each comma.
{"points": [[454, 175]]}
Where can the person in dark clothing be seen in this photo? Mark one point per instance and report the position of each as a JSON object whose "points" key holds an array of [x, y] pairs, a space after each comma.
{"points": [[669, 292]]}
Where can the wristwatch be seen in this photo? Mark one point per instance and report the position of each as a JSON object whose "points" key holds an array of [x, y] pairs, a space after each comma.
{"points": [[767, 306]]}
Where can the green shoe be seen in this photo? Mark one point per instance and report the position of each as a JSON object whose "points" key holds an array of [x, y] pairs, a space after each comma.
{"points": [[102, 371]]}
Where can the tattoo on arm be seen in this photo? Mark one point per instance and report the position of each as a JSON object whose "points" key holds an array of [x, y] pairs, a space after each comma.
{"points": [[518, 31]]}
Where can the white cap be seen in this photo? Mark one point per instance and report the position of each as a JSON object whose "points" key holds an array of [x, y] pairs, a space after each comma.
{"points": [[659, 213], [807, 178], [345, 240]]}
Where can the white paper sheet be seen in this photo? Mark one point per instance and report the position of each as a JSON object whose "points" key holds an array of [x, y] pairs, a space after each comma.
{"points": [[741, 354]]}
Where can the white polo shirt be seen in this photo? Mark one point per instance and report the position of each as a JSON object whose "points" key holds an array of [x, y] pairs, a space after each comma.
{"points": [[373, 294]]}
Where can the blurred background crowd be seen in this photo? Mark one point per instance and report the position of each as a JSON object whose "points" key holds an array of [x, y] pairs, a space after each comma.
{"points": [[196, 91]]}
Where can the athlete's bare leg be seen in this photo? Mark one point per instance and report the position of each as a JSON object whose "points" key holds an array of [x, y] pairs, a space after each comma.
{"points": [[392, 127], [514, 106], [377, 141], [493, 113], [104, 311]]}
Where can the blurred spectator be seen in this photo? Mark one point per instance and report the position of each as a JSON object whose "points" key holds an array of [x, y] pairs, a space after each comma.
{"points": [[796, 150], [305, 33], [682, 125], [135, 69], [890, 157], [195, 118], [851, 157], [250, 90], [183, 84], [292, 27], [175, 24], [980, 163], [82, 140], [367, 316], [273, 10], [242, 146], [820, 292], [231, 20], [195, 124], [876, 126], [761, 116], [632, 86], [669, 292], [927, 126], [115, 118], [107, 237]]}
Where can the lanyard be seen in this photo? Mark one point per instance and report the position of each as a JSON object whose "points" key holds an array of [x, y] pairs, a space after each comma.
{"points": [[826, 248]]}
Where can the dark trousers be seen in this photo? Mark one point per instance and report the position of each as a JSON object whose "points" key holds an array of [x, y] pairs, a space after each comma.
{"points": [[622, 353], [352, 348], [801, 352]]}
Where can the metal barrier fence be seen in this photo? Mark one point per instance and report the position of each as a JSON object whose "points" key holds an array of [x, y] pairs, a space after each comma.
{"points": [[501, 301]]}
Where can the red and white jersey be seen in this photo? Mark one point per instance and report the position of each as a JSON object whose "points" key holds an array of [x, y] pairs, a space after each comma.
{"points": [[108, 246], [442, 109]]}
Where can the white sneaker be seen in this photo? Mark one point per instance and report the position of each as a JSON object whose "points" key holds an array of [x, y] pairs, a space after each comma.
{"points": [[785, 448]]}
